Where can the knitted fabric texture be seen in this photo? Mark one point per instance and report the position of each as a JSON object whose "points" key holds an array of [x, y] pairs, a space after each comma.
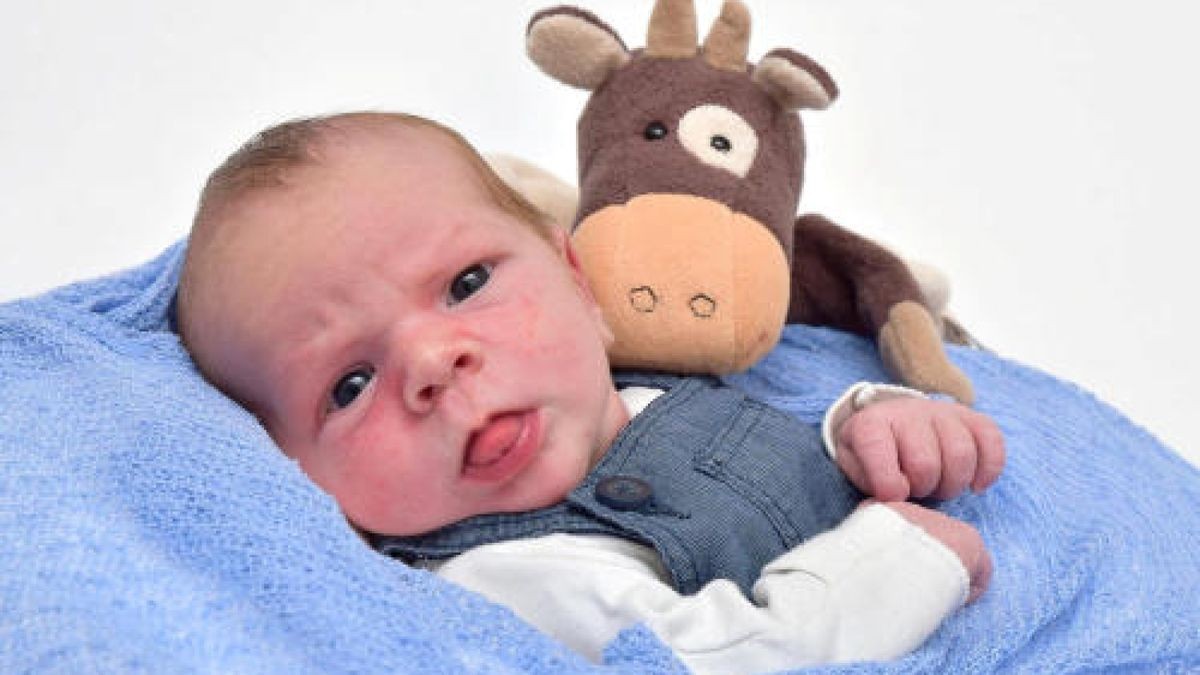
{"points": [[150, 525]]}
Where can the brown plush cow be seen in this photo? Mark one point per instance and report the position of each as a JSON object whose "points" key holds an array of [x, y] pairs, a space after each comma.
{"points": [[690, 167]]}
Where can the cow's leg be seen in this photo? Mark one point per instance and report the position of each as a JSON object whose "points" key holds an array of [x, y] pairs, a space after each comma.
{"points": [[846, 281]]}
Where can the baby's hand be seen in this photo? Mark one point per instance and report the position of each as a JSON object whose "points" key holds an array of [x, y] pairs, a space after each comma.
{"points": [[955, 535], [908, 448]]}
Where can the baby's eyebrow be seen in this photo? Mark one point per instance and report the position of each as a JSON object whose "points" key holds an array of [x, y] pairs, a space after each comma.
{"points": [[307, 364], [431, 278]]}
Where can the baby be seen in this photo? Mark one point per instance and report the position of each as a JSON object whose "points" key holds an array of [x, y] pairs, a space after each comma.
{"points": [[424, 344]]}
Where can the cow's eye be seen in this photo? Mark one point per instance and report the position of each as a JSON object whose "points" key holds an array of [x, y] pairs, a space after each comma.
{"points": [[719, 137], [655, 131]]}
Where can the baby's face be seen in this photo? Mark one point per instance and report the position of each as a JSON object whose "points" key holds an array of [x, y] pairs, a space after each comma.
{"points": [[423, 355]]}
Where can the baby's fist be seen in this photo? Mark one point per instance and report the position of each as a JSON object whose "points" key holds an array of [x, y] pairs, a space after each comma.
{"points": [[905, 448]]}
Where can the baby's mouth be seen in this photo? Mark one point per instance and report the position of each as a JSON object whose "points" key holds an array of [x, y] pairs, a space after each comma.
{"points": [[500, 448]]}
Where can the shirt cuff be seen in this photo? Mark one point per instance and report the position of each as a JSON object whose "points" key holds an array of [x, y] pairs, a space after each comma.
{"points": [[877, 552], [858, 396]]}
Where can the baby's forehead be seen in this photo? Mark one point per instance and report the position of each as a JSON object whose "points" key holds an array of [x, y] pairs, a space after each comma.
{"points": [[358, 171]]}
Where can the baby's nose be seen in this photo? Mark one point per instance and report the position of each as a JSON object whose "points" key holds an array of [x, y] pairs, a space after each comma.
{"points": [[436, 365]]}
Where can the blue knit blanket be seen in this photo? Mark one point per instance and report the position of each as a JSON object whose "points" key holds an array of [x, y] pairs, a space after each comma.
{"points": [[150, 525]]}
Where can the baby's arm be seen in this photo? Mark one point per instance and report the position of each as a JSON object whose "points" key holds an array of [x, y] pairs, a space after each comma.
{"points": [[874, 587], [894, 444]]}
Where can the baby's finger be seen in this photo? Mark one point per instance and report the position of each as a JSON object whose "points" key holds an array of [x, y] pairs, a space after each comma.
{"points": [[920, 460], [979, 570], [867, 455], [990, 450], [958, 453]]}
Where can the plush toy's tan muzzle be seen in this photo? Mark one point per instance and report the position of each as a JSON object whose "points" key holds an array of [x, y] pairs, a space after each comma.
{"points": [[685, 283]]}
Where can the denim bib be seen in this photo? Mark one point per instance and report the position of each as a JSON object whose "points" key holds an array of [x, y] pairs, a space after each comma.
{"points": [[718, 483]]}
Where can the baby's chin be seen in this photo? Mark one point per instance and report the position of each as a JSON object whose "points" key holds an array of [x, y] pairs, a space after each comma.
{"points": [[550, 478]]}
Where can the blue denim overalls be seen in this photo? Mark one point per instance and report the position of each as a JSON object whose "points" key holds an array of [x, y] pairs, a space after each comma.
{"points": [[718, 483]]}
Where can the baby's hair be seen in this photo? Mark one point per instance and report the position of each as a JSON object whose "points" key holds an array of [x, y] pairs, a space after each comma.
{"points": [[266, 160], [271, 157]]}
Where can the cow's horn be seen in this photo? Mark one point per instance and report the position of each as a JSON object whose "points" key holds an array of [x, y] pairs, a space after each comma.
{"points": [[672, 33], [728, 40]]}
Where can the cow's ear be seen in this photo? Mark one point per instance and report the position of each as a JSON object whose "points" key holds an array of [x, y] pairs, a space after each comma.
{"points": [[795, 81], [574, 47]]}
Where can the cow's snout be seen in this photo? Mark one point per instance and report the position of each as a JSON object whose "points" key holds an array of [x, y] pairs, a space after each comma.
{"points": [[685, 283], [644, 299], [702, 306]]}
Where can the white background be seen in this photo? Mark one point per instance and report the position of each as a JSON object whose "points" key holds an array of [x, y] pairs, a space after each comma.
{"points": [[1042, 153]]}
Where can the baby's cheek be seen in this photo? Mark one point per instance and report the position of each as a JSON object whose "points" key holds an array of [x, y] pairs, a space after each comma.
{"points": [[529, 325], [380, 503], [378, 485], [527, 318]]}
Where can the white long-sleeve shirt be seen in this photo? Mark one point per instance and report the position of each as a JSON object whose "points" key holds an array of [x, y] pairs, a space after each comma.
{"points": [[874, 587]]}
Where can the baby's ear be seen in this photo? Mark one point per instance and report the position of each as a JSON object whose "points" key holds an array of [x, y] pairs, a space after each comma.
{"points": [[562, 241]]}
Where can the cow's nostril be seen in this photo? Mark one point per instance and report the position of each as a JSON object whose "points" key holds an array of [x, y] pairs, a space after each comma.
{"points": [[702, 306], [643, 299]]}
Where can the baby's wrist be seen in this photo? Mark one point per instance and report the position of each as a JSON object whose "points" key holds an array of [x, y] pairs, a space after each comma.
{"points": [[858, 396]]}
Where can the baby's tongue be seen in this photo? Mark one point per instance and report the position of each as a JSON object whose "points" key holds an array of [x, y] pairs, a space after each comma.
{"points": [[494, 440]]}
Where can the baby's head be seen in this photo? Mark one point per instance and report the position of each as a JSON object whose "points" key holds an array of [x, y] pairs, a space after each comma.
{"points": [[406, 327]]}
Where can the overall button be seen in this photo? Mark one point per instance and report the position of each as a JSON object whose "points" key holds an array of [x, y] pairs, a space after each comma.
{"points": [[624, 493]]}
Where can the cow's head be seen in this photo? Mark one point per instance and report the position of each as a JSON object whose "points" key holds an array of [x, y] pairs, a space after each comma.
{"points": [[690, 167]]}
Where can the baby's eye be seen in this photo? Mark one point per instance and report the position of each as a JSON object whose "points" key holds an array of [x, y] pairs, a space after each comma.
{"points": [[468, 282], [349, 387]]}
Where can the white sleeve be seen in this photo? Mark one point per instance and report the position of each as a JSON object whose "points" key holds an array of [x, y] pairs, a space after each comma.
{"points": [[857, 397], [872, 588]]}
